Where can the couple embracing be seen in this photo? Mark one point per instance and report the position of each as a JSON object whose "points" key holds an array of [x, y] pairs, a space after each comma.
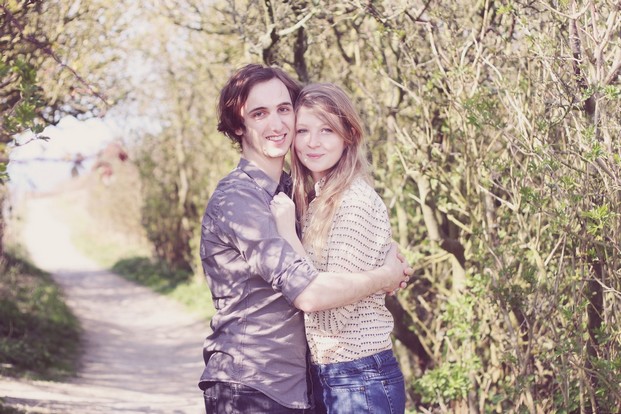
{"points": [[298, 265]]}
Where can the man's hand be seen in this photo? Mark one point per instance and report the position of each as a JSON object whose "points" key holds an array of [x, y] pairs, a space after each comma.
{"points": [[398, 271]]}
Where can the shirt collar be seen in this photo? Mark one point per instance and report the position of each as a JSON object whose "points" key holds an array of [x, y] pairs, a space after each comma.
{"points": [[264, 181]]}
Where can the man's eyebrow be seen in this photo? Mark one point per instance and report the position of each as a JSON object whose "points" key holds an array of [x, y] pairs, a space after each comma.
{"points": [[258, 108], [263, 108]]}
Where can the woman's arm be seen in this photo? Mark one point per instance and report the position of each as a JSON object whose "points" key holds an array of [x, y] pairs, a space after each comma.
{"points": [[334, 289]]}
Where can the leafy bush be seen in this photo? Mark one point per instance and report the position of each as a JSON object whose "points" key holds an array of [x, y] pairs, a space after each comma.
{"points": [[39, 336]]}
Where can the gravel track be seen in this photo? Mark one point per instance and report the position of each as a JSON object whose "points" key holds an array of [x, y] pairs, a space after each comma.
{"points": [[143, 352]]}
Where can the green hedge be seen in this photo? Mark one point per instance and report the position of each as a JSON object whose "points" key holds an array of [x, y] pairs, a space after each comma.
{"points": [[39, 336]]}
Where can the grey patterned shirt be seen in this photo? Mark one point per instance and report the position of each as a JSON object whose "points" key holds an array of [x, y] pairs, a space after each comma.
{"points": [[254, 276]]}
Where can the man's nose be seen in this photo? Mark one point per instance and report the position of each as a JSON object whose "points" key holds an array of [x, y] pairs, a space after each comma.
{"points": [[276, 122]]}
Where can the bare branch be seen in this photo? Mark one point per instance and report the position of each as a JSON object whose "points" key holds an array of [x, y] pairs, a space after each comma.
{"points": [[576, 49], [574, 16], [299, 24]]}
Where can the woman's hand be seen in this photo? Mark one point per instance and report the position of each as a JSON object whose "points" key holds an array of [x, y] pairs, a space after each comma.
{"points": [[398, 270], [283, 210]]}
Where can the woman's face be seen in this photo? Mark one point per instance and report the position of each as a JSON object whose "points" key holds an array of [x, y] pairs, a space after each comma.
{"points": [[316, 144]]}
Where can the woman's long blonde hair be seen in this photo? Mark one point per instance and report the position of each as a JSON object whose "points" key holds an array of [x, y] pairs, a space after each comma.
{"points": [[333, 106]]}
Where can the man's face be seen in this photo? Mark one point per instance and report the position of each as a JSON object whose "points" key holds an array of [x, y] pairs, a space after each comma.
{"points": [[269, 120]]}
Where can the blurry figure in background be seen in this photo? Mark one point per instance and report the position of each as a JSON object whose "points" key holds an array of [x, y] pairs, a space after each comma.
{"points": [[256, 355], [345, 228]]}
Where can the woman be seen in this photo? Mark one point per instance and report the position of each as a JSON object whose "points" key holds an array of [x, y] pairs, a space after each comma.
{"points": [[345, 226]]}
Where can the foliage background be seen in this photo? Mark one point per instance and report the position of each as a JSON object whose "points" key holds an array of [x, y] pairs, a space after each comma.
{"points": [[494, 134]]}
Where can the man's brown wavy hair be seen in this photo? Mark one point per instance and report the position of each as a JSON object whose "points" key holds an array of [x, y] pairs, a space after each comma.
{"points": [[235, 92]]}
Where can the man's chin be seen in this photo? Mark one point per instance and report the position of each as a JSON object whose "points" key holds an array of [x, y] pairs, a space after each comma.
{"points": [[275, 152]]}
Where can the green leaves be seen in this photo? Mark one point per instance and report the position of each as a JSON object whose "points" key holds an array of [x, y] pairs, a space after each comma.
{"points": [[27, 101], [448, 382], [482, 109], [598, 219]]}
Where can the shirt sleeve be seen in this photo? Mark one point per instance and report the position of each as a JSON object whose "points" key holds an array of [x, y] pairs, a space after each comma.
{"points": [[359, 241], [245, 219]]}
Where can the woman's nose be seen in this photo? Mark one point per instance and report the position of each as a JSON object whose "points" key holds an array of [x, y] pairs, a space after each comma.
{"points": [[312, 141]]}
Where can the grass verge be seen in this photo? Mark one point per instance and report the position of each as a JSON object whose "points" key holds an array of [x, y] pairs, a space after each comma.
{"points": [[176, 284], [39, 336], [128, 254]]}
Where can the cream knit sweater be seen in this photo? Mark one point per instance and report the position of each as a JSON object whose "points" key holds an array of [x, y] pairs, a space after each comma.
{"points": [[359, 239]]}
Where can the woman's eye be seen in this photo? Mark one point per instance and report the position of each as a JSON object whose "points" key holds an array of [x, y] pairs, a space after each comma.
{"points": [[327, 130], [300, 131]]}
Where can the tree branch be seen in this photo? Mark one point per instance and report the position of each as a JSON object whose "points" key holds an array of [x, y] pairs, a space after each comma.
{"points": [[44, 46], [404, 333], [576, 49]]}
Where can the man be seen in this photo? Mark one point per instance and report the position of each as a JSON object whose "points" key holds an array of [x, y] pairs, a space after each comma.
{"points": [[255, 358]]}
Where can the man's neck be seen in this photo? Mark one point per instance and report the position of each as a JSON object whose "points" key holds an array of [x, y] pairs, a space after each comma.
{"points": [[272, 166]]}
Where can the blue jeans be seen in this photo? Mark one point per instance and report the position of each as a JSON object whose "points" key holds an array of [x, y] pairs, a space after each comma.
{"points": [[373, 384], [232, 398]]}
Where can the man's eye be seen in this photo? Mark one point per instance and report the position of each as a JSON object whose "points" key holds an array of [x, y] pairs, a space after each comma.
{"points": [[284, 109], [258, 114]]}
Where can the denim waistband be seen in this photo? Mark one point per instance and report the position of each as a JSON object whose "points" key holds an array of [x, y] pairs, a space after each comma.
{"points": [[375, 360]]}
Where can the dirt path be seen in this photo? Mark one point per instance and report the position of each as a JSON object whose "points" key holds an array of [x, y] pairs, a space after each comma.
{"points": [[143, 352]]}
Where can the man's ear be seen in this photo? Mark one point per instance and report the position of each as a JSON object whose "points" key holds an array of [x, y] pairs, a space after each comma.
{"points": [[239, 132]]}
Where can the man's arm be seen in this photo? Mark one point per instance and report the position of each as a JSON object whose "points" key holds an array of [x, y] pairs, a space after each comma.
{"points": [[333, 289]]}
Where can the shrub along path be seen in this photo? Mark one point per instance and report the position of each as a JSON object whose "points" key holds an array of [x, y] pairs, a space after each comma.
{"points": [[142, 352]]}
